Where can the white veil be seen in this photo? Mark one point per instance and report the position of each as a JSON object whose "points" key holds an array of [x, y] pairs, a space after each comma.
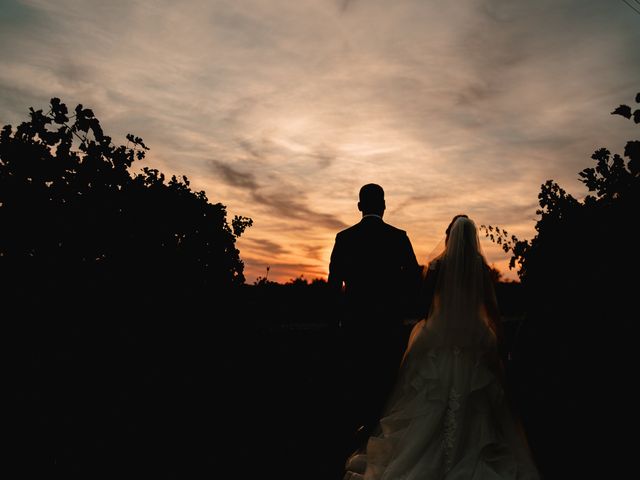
{"points": [[464, 299]]}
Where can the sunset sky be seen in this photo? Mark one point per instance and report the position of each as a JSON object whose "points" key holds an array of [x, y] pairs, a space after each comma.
{"points": [[282, 109]]}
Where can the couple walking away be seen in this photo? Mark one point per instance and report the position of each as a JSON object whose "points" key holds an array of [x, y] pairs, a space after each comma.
{"points": [[429, 403]]}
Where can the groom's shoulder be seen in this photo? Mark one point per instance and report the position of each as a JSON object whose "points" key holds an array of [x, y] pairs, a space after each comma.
{"points": [[395, 230], [352, 230], [361, 228]]}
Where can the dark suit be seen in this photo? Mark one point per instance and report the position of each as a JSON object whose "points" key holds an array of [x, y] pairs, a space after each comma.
{"points": [[378, 267]]}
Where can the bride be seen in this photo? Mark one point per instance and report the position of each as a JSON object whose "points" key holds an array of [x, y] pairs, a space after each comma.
{"points": [[448, 417]]}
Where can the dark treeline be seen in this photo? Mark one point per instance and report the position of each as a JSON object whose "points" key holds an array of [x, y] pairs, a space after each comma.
{"points": [[574, 354], [76, 222], [137, 348], [118, 293]]}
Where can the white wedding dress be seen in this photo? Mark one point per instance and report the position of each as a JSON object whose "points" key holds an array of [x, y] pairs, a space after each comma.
{"points": [[448, 417]]}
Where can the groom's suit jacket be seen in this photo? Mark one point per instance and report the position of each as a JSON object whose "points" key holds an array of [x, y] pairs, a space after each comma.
{"points": [[378, 268]]}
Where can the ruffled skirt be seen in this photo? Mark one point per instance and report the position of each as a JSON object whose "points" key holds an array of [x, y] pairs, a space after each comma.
{"points": [[446, 419]]}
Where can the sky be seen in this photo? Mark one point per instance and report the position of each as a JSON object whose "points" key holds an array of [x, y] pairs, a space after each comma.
{"points": [[281, 110]]}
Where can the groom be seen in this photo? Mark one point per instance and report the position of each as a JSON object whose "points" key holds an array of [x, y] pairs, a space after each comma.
{"points": [[375, 273]]}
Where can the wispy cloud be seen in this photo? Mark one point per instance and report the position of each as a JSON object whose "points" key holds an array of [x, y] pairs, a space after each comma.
{"points": [[266, 247], [451, 106], [235, 178], [287, 203]]}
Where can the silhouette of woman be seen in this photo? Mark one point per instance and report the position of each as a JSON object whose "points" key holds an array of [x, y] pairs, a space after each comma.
{"points": [[448, 416]]}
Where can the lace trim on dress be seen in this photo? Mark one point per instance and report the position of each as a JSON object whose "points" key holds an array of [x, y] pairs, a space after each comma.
{"points": [[450, 427]]}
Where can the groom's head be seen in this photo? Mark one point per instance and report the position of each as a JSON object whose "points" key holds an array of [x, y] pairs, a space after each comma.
{"points": [[371, 199]]}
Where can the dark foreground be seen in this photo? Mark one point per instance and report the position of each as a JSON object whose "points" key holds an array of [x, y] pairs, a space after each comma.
{"points": [[185, 394], [175, 400]]}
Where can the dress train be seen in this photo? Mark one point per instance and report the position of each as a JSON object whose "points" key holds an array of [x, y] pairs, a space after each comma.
{"points": [[447, 419]]}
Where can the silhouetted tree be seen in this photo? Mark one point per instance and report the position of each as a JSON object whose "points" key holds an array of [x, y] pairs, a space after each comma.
{"points": [[319, 282], [299, 281], [588, 241], [75, 222], [262, 281], [573, 354]]}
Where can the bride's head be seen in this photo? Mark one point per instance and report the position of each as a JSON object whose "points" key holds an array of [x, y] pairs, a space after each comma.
{"points": [[462, 237], [461, 241], [453, 220]]}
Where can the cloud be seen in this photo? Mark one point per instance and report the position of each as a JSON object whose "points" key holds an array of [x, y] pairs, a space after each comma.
{"points": [[314, 251], [248, 147], [451, 106], [345, 5], [283, 203], [266, 246], [234, 177]]}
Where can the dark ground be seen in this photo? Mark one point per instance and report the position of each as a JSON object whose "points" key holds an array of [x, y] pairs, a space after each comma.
{"points": [[182, 395], [175, 395], [196, 415]]}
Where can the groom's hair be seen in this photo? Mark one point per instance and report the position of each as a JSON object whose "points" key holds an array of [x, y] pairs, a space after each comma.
{"points": [[371, 199]]}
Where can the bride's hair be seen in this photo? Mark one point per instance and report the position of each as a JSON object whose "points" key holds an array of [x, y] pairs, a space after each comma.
{"points": [[459, 311], [462, 238], [453, 220]]}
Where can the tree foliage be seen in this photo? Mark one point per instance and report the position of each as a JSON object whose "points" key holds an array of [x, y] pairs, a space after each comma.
{"points": [[588, 241], [76, 221], [574, 349]]}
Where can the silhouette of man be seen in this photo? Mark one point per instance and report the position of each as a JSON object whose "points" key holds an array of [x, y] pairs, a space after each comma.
{"points": [[374, 269]]}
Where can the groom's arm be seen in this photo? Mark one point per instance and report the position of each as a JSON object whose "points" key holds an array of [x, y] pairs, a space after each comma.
{"points": [[336, 278], [427, 289], [411, 262], [336, 266], [412, 272]]}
